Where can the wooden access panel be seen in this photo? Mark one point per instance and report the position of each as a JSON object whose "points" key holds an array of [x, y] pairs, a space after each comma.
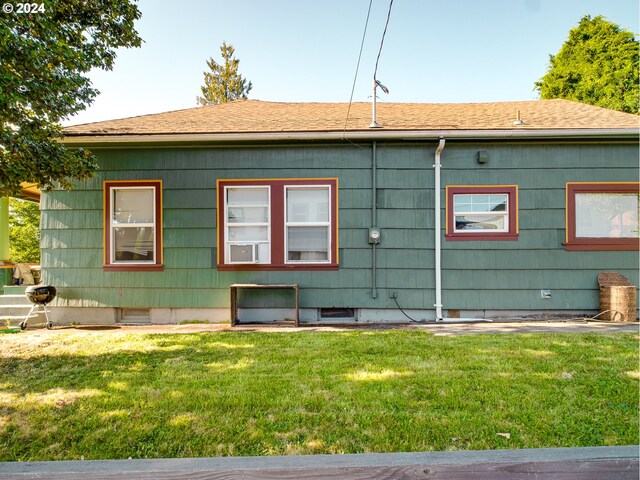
{"points": [[233, 293]]}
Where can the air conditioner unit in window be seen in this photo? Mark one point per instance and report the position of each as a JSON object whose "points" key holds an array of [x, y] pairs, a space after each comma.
{"points": [[243, 253]]}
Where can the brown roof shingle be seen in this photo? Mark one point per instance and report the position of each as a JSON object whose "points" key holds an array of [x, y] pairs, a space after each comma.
{"points": [[253, 116]]}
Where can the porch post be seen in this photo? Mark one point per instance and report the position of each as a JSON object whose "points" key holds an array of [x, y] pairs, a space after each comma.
{"points": [[5, 269], [4, 229]]}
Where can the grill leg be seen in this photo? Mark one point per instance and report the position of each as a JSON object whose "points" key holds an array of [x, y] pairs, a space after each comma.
{"points": [[23, 324], [49, 323], [46, 313]]}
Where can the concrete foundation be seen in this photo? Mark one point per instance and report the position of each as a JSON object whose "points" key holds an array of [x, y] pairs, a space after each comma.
{"points": [[83, 316], [308, 316]]}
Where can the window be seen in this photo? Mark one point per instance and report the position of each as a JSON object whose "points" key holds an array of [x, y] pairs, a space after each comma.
{"points": [[133, 225], [247, 225], [482, 212], [602, 216], [308, 228], [277, 224]]}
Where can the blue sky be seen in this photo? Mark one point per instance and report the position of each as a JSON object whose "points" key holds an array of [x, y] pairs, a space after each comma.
{"points": [[435, 51]]}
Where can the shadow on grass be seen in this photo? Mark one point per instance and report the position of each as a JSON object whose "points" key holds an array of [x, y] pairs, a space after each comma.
{"points": [[230, 393]]}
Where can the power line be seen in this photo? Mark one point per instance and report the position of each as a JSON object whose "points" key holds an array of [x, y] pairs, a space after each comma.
{"points": [[353, 88], [382, 40]]}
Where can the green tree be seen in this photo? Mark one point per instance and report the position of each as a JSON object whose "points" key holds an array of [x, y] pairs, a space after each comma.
{"points": [[24, 231], [223, 83], [45, 57], [598, 65]]}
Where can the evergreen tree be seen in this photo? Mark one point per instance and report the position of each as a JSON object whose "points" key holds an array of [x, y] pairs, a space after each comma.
{"points": [[598, 65], [223, 83]]}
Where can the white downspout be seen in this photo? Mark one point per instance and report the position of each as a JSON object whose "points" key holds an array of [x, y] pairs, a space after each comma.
{"points": [[438, 246]]}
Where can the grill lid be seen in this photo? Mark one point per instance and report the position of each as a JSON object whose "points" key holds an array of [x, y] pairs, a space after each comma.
{"points": [[40, 294]]}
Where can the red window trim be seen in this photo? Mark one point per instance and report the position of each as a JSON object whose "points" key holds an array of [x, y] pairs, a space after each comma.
{"points": [[574, 243], [510, 190], [277, 207], [132, 267]]}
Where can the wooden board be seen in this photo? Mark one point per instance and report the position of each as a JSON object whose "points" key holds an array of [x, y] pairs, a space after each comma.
{"points": [[556, 470]]}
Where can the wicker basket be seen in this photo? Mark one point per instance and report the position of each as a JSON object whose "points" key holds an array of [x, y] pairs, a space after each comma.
{"points": [[617, 298]]}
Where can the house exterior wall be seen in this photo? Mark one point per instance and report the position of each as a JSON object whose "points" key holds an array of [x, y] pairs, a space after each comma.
{"points": [[478, 276]]}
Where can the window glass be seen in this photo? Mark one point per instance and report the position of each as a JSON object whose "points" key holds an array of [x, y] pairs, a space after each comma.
{"points": [[131, 205], [133, 244], [606, 215], [498, 203], [248, 205], [242, 234], [308, 244], [480, 222], [307, 205], [479, 203], [248, 196], [248, 215], [477, 212]]}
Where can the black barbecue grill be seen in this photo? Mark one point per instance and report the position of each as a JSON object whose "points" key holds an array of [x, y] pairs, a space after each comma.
{"points": [[39, 295]]}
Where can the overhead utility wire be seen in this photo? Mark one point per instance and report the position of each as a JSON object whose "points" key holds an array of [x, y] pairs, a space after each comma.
{"points": [[381, 44], [353, 88]]}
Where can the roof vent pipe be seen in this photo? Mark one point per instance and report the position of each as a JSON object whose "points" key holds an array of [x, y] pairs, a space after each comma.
{"points": [[376, 84], [518, 120]]}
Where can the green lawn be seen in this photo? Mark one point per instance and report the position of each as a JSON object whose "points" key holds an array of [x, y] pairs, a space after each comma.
{"points": [[71, 396]]}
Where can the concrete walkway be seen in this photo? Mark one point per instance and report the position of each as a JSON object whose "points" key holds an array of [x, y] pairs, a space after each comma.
{"points": [[440, 329], [591, 463]]}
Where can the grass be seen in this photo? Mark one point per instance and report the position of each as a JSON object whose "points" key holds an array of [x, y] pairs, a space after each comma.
{"points": [[9, 330], [72, 396]]}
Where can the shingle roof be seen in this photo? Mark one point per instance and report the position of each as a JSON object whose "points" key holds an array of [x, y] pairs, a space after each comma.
{"points": [[253, 116]]}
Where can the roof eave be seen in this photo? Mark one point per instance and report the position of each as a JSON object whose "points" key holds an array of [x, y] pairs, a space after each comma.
{"points": [[112, 139]]}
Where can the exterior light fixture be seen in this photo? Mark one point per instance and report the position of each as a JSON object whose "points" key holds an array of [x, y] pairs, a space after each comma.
{"points": [[482, 156]]}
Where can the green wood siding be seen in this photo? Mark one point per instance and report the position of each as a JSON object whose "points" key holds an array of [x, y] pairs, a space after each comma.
{"points": [[479, 275]]}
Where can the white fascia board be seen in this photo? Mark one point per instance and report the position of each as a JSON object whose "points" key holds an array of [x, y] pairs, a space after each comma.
{"points": [[358, 135]]}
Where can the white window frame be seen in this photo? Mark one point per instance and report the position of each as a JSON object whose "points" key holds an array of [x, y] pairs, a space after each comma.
{"points": [[228, 225], [113, 226], [504, 214], [326, 224]]}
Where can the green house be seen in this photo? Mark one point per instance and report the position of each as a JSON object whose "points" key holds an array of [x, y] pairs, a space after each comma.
{"points": [[427, 212]]}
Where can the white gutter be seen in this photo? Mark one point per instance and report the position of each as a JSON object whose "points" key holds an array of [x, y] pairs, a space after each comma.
{"points": [[437, 227], [357, 135]]}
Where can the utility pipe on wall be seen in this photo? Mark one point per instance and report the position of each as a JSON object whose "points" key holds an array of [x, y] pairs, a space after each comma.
{"points": [[374, 219], [438, 246]]}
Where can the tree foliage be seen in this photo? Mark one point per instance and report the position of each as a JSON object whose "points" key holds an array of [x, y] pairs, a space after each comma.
{"points": [[223, 83], [24, 231], [598, 65], [44, 62]]}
